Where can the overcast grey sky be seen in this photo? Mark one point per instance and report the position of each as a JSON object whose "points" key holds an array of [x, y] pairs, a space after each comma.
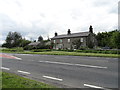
{"points": [[44, 17]]}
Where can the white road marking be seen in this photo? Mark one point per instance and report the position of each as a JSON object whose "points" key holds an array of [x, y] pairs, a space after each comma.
{"points": [[112, 58], [5, 68], [14, 57], [93, 86], [25, 54], [53, 78], [17, 58], [23, 72], [74, 64]]}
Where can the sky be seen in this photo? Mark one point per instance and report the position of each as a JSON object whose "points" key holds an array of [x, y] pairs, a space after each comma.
{"points": [[32, 18]]}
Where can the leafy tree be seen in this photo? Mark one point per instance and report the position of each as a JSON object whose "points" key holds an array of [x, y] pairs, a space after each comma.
{"points": [[90, 44], [5, 45], [40, 38], [24, 42], [102, 39], [34, 41], [115, 39], [109, 39], [77, 43], [13, 39]]}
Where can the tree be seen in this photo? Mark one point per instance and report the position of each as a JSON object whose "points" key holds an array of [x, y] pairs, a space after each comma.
{"points": [[24, 42], [40, 38], [115, 39], [102, 39], [34, 41], [90, 44], [76, 43], [109, 39], [13, 39]]}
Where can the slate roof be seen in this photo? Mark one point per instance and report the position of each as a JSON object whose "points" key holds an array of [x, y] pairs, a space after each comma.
{"points": [[81, 34], [34, 43]]}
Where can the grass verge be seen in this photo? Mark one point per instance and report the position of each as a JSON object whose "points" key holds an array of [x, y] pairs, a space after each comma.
{"points": [[10, 80], [74, 54], [67, 53]]}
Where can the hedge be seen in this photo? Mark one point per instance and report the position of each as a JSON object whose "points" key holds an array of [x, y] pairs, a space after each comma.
{"points": [[100, 51]]}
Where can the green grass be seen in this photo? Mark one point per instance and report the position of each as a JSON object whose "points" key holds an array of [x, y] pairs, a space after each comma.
{"points": [[10, 80], [67, 53], [0, 79], [74, 54]]}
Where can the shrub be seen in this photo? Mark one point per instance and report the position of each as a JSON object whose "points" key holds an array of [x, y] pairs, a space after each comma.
{"points": [[83, 48], [70, 50], [79, 50], [99, 51], [40, 50], [28, 47], [17, 49]]}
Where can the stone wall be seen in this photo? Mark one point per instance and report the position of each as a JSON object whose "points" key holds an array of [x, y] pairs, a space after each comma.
{"points": [[64, 44]]}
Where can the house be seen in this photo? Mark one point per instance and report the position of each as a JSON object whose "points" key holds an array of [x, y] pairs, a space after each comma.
{"points": [[65, 41], [34, 44], [40, 44]]}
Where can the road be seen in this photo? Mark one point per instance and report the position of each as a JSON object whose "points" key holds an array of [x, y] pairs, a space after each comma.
{"points": [[64, 71]]}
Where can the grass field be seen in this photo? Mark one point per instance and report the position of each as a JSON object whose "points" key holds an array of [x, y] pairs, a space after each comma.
{"points": [[10, 80]]}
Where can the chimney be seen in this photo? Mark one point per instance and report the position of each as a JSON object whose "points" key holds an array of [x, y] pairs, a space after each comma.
{"points": [[56, 34], [91, 29], [69, 32]]}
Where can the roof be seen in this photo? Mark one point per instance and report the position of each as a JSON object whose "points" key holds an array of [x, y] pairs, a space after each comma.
{"points": [[34, 43], [81, 34]]}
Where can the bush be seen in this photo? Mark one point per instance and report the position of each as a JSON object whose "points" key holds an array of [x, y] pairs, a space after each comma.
{"points": [[79, 50], [70, 50], [99, 51], [83, 48], [18, 49], [67, 50], [28, 47], [40, 50]]}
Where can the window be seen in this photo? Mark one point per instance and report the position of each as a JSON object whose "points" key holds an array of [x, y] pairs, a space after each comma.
{"points": [[54, 41], [68, 40], [81, 40], [61, 40]]}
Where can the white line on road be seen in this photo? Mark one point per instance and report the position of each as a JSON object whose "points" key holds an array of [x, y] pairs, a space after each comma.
{"points": [[74, 64], [93, 86], [112, 58], [14, 57], [5, 68], [17, 58], [53, 78], [25, 54], [23, 72]]}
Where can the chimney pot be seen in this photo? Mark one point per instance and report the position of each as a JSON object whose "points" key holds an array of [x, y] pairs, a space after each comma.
{"points": [[56, 34], [69, 32], [91, 29]]}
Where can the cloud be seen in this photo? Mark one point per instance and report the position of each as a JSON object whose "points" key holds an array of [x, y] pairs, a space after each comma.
{"points": [[44, 17]]}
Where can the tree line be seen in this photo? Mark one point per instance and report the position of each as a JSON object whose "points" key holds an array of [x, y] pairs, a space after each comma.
{"points": [[14, 39], [109, 39]]}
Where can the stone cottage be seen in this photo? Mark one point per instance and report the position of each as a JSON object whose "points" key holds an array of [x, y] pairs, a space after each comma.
{"points": [[65, 41]]}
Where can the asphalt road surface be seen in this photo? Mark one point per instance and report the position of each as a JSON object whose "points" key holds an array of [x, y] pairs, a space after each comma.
{"points": [[64, 71]]}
